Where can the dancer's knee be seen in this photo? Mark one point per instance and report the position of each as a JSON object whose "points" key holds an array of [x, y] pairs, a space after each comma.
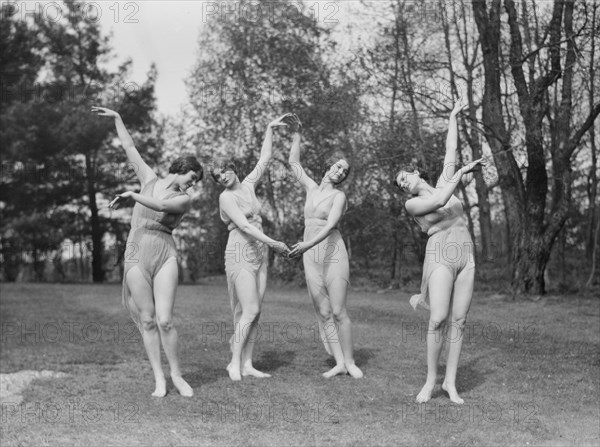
{"points": [[165, 323], [459, 323], [340, 314], [437, 322], [324, 312], [148, 322]]}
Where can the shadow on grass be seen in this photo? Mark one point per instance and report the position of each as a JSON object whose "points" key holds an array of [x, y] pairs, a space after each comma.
{"points": [[361, 357], [202, 376], [468, 377], [273, 360]]}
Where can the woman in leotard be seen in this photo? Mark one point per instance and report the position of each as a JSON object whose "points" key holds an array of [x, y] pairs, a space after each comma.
{"points": [[325, 257], [449, 268], [246, 255], [151, 272]]}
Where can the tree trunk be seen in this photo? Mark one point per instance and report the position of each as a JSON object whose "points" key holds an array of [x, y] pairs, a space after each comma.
{"points": [[590, 280], [533, 228], [530, 257], [593, 178], [97, 267], [394, 258]]}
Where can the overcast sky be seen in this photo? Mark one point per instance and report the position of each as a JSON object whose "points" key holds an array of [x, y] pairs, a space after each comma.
{"points": [[166, 33], [161, 32]]}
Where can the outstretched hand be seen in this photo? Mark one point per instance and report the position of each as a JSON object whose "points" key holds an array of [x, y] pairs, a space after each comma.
{"points": [[114, 204], [460, 105], [103, 111], [474, 165]]}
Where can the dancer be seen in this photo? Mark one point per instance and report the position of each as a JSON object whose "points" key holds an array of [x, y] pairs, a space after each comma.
{"points": [[246, 255], [325, 257], [449, 268], [151, 273]]}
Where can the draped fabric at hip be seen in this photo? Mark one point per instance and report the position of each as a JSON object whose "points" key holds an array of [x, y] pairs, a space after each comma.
{"points": [[449, 246], [149, 244], [328, 260]]}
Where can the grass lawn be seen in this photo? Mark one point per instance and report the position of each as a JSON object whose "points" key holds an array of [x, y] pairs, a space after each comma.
{"points": [[529, 373]]}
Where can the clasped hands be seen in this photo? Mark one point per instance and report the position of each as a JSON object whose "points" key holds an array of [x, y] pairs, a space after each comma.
{"points": [[288, 119], [296, 251]]}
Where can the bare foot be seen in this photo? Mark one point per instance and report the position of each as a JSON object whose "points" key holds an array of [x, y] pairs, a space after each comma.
{"points": [[336, 370], [425, 393], [182, 386], [161, 388], [354, 370], [451, 390], [234, 373], [249, 370]]}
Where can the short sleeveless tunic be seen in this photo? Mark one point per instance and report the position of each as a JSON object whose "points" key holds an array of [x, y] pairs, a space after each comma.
{"points": [[449, 245], [328, 260], [149, 244], [244, 252]]}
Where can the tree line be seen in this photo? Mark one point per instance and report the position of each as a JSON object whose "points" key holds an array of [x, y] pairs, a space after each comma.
{"points": [[382, 96]]}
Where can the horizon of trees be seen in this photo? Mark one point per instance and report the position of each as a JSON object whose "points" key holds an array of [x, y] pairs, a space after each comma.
{"points": [[527, 69]]}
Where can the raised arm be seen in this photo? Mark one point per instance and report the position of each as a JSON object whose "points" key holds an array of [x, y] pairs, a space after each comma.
{"points": [[141, 169], [335, 214], [265, 153], [419, 206], [229, 206], [451, 143], [175, 205], [297, 169]]}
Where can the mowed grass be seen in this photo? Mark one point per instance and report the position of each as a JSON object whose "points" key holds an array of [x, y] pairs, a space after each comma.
{"points": [[529, 373]]}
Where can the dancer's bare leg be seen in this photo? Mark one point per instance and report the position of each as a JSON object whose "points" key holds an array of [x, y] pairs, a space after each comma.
{"points": [[440, 289], [247, 293], [461, 301], [324, 312], [165, 288], [141, 294], [338, 290], [247, 368]]}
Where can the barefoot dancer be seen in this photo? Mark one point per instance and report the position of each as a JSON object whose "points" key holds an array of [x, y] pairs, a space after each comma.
{"points": [[325, 257], [246, 256], [151, 275], [449, 268]]}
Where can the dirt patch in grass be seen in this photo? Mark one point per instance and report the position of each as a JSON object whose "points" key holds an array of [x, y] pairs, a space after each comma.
{"points": [[13, 385]]}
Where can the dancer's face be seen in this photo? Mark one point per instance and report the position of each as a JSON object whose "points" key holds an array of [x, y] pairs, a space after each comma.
{"points": [[188, 180], [225, 177], [338, 171], [408, 181]]}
